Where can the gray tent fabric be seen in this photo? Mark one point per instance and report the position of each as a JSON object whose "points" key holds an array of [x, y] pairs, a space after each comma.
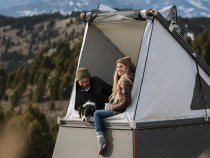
{"points": [[166, 83], [201, 94]]}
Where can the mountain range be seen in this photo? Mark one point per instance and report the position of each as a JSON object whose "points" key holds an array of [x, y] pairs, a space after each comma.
{"points": [[20, 8]]}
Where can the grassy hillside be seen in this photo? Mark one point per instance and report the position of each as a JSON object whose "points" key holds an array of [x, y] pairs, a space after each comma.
{"points": [[22, 38]]}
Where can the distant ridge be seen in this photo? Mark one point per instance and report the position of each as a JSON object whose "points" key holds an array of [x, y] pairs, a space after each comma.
{"points": [[186, 8]]}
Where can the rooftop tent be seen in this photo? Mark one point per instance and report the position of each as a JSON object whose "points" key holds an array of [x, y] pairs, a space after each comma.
{"points": [[108, 37], [171, 88], [166, 71]]}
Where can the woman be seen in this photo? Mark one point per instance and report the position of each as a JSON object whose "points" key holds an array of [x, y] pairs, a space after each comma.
{"points": [[119, 100]]}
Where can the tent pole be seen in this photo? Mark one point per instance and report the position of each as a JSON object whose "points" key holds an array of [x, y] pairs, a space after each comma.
{"points": [[134, 143]]}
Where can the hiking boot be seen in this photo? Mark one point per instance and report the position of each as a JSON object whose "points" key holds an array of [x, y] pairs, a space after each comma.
{"points": [[101, 144]]}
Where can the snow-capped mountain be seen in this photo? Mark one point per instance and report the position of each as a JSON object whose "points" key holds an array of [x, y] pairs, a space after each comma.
{"points": [[17, 8]]}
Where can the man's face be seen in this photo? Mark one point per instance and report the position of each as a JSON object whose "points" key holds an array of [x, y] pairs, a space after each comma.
{"points": [[84, 83]]}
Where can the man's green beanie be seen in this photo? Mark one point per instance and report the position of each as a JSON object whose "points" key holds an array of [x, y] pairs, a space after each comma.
{"points": [[82, 73]]}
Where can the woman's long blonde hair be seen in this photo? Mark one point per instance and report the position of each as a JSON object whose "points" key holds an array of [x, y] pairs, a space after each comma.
{"points": [[129, 75]]}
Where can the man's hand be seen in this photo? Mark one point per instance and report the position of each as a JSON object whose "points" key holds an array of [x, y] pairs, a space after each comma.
{"points": [[150, 12], [82, 16]]}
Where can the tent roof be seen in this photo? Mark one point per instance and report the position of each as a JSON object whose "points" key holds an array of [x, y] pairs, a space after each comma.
{"points": [[105, 14]]}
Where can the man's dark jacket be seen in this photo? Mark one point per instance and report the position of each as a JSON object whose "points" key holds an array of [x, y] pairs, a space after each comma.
{"points": [[99, 93]]}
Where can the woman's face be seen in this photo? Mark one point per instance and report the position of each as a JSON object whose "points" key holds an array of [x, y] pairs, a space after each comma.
{"points": [[121, 69]]}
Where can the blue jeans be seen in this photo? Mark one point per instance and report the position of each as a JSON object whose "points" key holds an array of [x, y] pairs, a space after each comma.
{"points": [[99, 115]]}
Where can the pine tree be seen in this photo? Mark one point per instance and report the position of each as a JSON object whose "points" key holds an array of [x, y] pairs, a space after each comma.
{"points": [[65, 86], [202, 45], [1, 116], [54, 86], [40, 142], [3, 83], [40, 87]]}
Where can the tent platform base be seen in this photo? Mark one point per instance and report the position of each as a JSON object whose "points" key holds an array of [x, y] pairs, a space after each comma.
{"points": [[81, 142], [190, 141]]}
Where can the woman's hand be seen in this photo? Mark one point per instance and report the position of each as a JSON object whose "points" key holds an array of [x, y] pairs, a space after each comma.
{"points": [[106, 106]]}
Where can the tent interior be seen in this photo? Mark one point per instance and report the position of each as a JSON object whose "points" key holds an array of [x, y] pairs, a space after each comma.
{"points": [[107, 42], [103, 44]]}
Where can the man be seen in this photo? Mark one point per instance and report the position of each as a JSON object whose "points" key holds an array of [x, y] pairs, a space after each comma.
{"points": [[91, 89]]}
